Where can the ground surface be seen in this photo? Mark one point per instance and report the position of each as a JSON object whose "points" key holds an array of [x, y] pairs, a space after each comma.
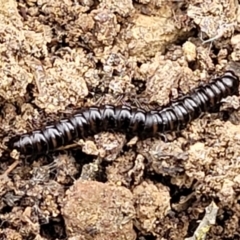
{"points": [[57, 56]]}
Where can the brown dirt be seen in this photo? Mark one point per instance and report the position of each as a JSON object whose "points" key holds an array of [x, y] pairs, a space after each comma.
{"points": [[57, 56]]}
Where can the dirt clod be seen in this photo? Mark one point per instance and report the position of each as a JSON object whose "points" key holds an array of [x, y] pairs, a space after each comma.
{"points": [[98, 211]]}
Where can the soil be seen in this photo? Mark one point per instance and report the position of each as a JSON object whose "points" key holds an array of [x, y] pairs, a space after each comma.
{"points": [[60, 56]]}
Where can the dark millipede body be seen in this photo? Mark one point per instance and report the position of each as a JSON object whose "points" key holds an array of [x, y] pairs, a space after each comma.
{"points": [[130, 121]]}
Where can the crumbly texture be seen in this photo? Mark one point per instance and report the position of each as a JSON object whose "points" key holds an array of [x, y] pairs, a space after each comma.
{"points": [[96, 210], [59, 56]]}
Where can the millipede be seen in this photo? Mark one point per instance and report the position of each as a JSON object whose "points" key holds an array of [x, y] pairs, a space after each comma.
{"points": [[173, 117]]}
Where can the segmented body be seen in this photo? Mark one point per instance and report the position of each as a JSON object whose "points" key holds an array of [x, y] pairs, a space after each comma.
{"points": [[130, 121]]}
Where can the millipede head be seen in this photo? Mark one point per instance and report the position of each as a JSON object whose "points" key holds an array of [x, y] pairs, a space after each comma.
{"points": [[14, 143], [22, 144]]}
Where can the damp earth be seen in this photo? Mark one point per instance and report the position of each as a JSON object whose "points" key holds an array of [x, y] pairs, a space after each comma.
{"points": [[61, 56]]}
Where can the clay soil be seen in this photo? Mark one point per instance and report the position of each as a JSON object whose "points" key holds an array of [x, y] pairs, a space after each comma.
{"points": [[59, 56]]}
